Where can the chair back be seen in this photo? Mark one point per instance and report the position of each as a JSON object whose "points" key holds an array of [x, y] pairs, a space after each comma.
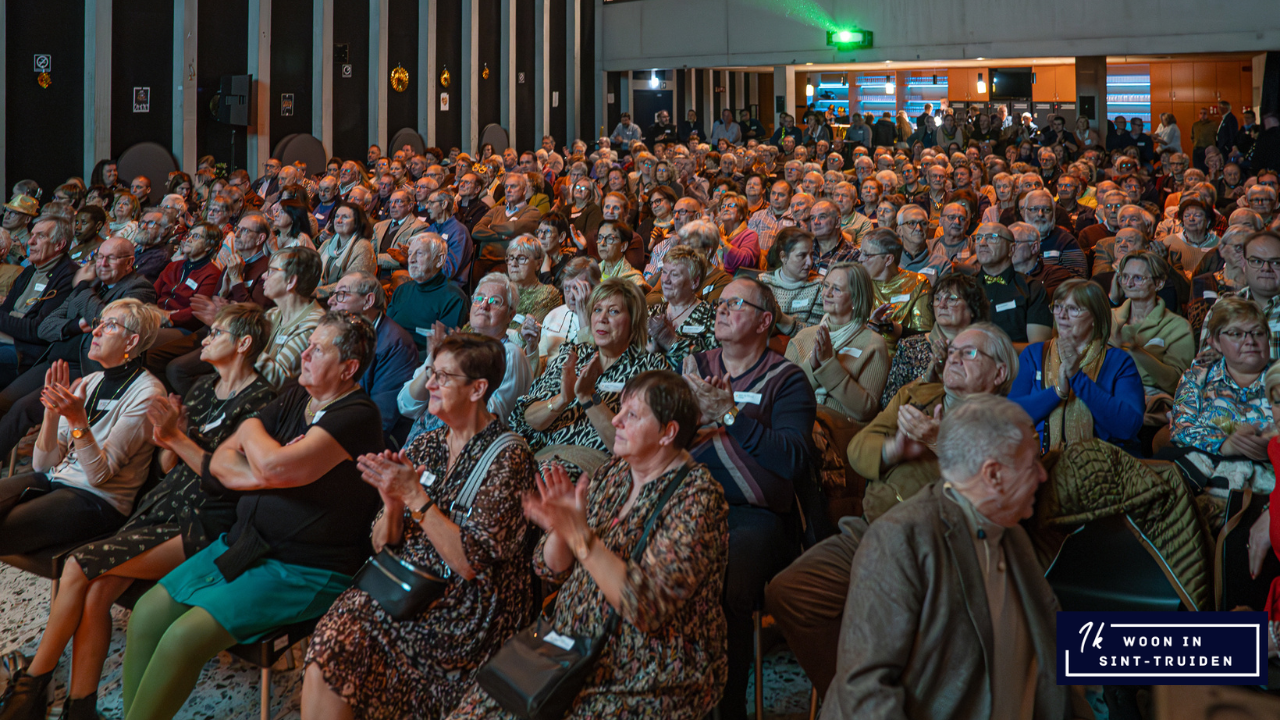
{"points": [[1103, 566]]}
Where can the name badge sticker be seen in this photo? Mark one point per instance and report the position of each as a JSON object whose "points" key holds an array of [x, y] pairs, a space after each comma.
{"points": [[213, 423], [1052, 253], [191, 283], [612, 387], [107, 405], [316, 419], [428, 478], [40, 287], [560, 641], [899, 299], [424, 332], [747, 397], [855, 352], [693, 329], [1210, 294], [799, 304], [519, 318], [708, 289], [929, 271], [1007, 306], [1158, 342]]}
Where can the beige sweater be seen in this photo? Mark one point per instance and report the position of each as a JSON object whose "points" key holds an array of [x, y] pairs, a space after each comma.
{"points": [[853, 379]]}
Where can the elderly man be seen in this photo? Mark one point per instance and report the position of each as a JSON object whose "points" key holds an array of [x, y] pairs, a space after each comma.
{"points": [[18, 214], [853, 222], [8, 271], [471, 207], [39, 290], [1026, 259], [953, 245], [1110, 202], [687, 210], [395, 356], [1262, 286], [1057, 246], [1079, 216], [894, 453], [152, 250], [1019, 305], [768, 220], [1129, 216], [906, 293], [757, 443], [417, 305], [391, 236], [68, 330], [936, 198], [812, 183], [194, 274], [830, 243], [328, 198], [1175, 291], [503, 222], [704, 237], [443, 221], [952, 574]]}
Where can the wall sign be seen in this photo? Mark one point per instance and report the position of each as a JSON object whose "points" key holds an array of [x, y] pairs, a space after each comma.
{"points": [[286, 104], [520, 78], [555, 98], [44, 62], [444, 101], [346, 70], [142, 99]]}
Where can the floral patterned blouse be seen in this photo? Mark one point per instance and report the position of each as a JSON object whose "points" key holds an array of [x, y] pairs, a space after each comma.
{"points": [[696, 333], [1209, 405], [668, 657], [537, 302]]}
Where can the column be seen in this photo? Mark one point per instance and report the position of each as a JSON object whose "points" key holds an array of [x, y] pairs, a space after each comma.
{"points": [[573, 54], [322, 75], [784, 89], [259, 66], [507, 93], [542, 61], [470, 85], [97, 82], [1091, 81], [379, 73], [427, 74]]}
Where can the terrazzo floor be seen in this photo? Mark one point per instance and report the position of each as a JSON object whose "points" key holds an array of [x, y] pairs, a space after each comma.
{"points": [[229, 688]]}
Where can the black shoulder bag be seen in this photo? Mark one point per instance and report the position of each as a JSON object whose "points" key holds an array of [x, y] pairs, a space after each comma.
{"points": [[538, 673], [404, 589]]}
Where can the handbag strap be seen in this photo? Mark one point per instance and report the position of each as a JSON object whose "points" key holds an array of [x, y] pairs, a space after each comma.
{"points": [[460, 508]]}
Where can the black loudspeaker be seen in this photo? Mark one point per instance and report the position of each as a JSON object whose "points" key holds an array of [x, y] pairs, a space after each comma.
{"points": [[235, 106], [1088, 107]]}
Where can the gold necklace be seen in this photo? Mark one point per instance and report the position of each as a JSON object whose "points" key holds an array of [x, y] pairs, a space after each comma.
{"points": [[311, 414]]}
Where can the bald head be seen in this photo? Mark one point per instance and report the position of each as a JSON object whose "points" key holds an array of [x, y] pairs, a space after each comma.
{"points": [[114, 260]]}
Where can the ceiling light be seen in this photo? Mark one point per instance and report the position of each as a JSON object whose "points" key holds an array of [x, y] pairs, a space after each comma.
{"points": [[982, 85], [888, 88], [808, 89], [653, 79]]}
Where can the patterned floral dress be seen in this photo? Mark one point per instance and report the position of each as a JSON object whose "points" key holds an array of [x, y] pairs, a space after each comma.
{"points": [[178, 506], [695, 334], [536, 302], [910, 362], [420, 668], [668, 659]]}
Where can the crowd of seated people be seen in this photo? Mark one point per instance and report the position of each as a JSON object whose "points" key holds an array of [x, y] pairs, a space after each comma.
{"points": [[253, 386]]}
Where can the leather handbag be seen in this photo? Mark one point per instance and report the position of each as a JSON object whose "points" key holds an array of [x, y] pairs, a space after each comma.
{"points": [[405, 590], [538, 673]]}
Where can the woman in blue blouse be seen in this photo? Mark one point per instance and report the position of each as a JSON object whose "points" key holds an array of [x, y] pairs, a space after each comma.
{"points": [[1074, 387]]}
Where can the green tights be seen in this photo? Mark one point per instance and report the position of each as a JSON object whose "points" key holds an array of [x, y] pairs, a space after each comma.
{"points": [[168, 644]]}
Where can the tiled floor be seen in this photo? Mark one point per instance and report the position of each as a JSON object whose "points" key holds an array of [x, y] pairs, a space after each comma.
{"points": [[229, 688]]}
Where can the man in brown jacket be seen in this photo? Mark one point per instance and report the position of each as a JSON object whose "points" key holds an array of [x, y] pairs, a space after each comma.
{"points": [[503, 222], [949, 615]]}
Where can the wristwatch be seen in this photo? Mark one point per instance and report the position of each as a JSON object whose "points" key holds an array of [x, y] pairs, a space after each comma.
{"points": [[77, 433], [595, 400], [421, 512], [728, 418]]}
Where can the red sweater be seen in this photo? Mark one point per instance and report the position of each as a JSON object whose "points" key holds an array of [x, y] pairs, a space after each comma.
{"points": [[179, 281]]}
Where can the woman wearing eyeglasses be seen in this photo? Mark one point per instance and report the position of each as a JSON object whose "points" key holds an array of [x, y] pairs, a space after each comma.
{"points": [[611, 242], [958, 301], [1208, 286], [584, 212], [742, 245], [360, 659], [94, 447], [524, 260], [1222, 410], [1073, 386], [659, 221], [568, 410], [682, 323], [1159, 340], [173, 521]]}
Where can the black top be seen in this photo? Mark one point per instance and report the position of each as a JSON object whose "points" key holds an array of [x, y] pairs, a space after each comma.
{"points": [[1016, 301], [325, 523]]}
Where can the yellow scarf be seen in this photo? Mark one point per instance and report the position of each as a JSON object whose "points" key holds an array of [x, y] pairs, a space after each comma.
{"points": [[1071, 421]]}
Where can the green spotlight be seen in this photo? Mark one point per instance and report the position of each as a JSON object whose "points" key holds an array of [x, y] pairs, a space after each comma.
{"points": [[845, 40]]}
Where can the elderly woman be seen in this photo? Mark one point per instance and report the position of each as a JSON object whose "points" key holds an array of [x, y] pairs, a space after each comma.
{"points": [[581, 276], [742, 244], [124, 212], [361, 661], [845, 360], [301, 527], [492, 308], [656, 225], [667, 658], [1073, 386], [1006, 197], [1159, 340], [524, 258], [1221, 412], [172, 522], [567, 411], [790, 277], [887, 210], [349, 250], [1207, 287], [958, 301], [682, 323], [1195, 216], [289, 282], [611, 241], [584, 211], [292, 222], [94, 448], [901, 296]]}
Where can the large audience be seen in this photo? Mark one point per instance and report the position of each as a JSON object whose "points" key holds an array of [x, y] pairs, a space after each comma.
{"points": [[642, 390]]}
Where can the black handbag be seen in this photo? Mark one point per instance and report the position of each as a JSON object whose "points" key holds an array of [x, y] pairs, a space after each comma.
{"points": [[538, 673], [405, 590]]}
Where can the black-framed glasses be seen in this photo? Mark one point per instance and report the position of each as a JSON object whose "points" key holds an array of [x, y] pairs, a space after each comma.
{"points": [[1258, 263], [1239, 335], [914, 223], [736, 303], [434, 375], [216, 332]]}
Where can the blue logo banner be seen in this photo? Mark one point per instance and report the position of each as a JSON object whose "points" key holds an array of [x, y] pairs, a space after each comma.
{"points": [[1162, 648]]}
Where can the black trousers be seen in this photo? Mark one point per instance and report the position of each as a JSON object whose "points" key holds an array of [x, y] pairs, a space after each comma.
{"points": [[20, 407], [36, 514]]}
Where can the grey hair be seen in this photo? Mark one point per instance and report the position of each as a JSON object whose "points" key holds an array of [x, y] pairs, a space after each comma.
{"points": [[1250, 220], [982, 428], [175, 197], [433, 242], [366, 284], [62, 233], [143, 318], [1025, 228], [509, 289], [356, 339], [701, 235], [1001, 349], [1264, 188], [908, 208], [529, 244]]}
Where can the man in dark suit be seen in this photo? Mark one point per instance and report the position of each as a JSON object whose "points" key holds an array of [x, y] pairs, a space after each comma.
{"points": [[395, 357], [269, 183], [39, 290], [391, 236], [1227, 129]]}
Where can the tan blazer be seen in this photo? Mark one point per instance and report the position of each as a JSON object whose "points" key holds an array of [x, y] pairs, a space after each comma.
{"points": [[384, 239]]}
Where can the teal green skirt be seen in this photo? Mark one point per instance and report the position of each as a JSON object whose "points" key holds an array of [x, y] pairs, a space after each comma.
{"points": [[268, 595]]}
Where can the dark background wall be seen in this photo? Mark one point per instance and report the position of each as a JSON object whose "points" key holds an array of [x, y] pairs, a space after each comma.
{"points": [[402, 50], [557, 38], [587, 128], [291, 69], [489, 51], [526, 57], [613, 110], [142, 56], [449, 56], [222, 49], [44, 128], [351, 94]]}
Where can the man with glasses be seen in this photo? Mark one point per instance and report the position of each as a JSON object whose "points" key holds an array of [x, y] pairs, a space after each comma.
{"points": [[68, 330], [1110, 201], [953, 246], [768, 220], [395, 355], [1262, 287], [391, 236], [830, 243], [417, 306], [1057, 246], [152, 250], [39, 290], [615, 208], [1130, 216], [917, 255], [443, 221], [662, 130], [1026, 259], [1078, 217], [1019, 304], [759, 446], [903, 292], [503, 222], [687, 210], [936, 197]]}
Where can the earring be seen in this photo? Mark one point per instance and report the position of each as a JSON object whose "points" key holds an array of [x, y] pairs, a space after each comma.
{"points": [[126, 356]]}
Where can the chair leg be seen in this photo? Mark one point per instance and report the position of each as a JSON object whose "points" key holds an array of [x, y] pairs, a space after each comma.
{"points": [[266, 692], [813, 704], [759, 666]]}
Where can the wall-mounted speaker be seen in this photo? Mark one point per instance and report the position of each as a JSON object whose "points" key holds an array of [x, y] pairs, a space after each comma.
{"points": [[235, 104]]}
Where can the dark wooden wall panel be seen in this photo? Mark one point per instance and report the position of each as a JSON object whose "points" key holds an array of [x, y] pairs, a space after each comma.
{"points": [[44, 127], [588, 130], [291, 66], [402, 50], [613, 110], [142, 56], [351, 94], [489, 52], [448, 33], [526, 57], [222, 48], [559, 46]]}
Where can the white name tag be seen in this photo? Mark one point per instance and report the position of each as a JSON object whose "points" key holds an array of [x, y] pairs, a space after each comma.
{"points": [[1052, 253], [1158, 342], [316, 419], [1039, 377], [213, 423], [611, 386], [930, 271], [424, 332], [822, 271], [444, 236], [708, 289], [899, 299], [964, 254], [747, 397], [518, 319], [281, 339], [428, 478], [40, 287], [855, 352], [559, 640], [1210, 294], [693, 329], [1007, 306], [191, 283], [801, 304], [107, 405]]}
